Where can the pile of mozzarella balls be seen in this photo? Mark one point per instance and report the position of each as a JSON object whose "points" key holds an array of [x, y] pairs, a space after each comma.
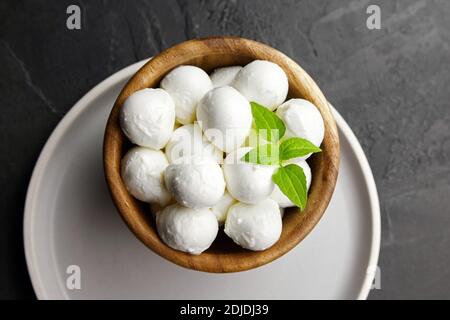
{"points": [[190, 135]]}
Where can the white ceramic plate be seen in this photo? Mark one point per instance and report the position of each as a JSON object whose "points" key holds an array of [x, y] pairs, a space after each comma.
{"points": [[70, 220]]}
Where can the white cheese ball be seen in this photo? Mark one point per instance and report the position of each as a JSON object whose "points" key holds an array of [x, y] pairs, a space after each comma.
{"points": [[254, 227], [224, 76], [142, 171], [185, 229], [188, 140], [220, 209], [156, 208], [147, 118], [225, 117], [247, 182], [263, 82], [195, 182], [303, 120], [279, 196], [186, 85]]}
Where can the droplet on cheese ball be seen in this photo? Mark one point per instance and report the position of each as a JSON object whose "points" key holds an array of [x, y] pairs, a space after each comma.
{"points": [[186, 85], [147, 118], [263, 82], [142, 172]]}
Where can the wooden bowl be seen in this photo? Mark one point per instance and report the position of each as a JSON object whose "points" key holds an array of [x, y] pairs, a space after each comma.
{"points": [[224, 255]]}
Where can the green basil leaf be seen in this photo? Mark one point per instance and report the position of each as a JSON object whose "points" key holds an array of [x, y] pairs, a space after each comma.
{"points": [[296, 147], [267, 123], [292, 182], [267, 154]]}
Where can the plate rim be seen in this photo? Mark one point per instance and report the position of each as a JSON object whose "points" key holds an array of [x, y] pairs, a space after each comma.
{"points": [[374, 203], [121, 75]]}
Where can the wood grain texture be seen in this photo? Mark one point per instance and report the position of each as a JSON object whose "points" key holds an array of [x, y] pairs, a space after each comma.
{"points": [[224, 255]]}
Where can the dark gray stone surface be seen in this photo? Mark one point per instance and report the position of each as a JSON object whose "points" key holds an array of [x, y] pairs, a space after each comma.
{"points": [[391, 85]]}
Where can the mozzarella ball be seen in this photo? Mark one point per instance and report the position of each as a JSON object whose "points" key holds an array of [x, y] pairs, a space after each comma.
{"points": [[147, 118], [247, 182], [195, 182], [220, 209], [254, 227], [303, 120], [142, 172], [185, 229], [188, 140], [225, 117], [186, 85], [279, 196], [156, 208], [224, 76], [263, 82]]}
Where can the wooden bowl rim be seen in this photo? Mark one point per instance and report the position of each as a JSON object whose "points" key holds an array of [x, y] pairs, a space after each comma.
{"points": [[140, 222]]}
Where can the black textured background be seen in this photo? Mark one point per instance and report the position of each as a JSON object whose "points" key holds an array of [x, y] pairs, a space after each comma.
{"points": [[391, 85]]}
